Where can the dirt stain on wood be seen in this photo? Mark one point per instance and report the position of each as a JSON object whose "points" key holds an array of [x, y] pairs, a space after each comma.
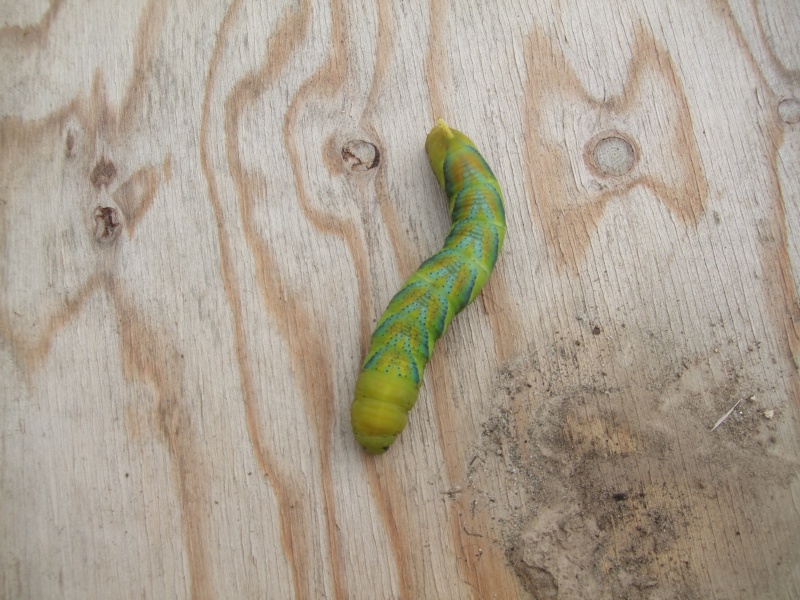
{"points": [[619, 506]]}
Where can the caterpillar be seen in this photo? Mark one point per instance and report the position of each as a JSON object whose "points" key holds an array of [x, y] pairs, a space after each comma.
{"points": [[418, 315]]}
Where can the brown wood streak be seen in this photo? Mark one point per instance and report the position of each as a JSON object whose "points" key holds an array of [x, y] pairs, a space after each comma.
{"points": [[29, 355], [134, 197], [453, 449], [779, 283], [31, 35], [497, 293], [327, 81], [486, 570], [104, 127], [23, 138], [297, 539], [141, 346], [290, 314], [144, 50], [385, 488], [401, 249], [435, 64], [792, 75], [568, 213], [148, 357], [489, 574]]}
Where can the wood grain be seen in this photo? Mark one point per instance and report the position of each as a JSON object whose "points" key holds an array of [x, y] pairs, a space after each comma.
{"points": [[205, 207]]}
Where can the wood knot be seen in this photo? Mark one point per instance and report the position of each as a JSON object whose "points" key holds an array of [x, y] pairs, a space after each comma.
{"points": [[106, 223], [360, 155], [611, 154], [789, 110]]}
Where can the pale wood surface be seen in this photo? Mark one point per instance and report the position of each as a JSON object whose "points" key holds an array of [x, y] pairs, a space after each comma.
{"points": [[191, 267]]}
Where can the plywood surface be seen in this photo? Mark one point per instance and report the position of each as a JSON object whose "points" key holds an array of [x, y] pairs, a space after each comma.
{"points": [[205, 207]]}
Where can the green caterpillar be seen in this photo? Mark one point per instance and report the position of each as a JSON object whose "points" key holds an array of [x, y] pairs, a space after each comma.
{"points": [[420, 312]]}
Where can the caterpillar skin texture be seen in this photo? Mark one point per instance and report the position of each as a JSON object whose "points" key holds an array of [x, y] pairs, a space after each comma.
{"points": [[420, 312]]}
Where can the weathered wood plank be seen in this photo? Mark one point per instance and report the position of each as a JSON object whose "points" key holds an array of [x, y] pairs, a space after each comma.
{"points": [[204, 208]]}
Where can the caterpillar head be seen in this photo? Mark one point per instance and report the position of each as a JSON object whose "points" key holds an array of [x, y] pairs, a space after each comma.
{"points": [[380, 409], [375, 444]]}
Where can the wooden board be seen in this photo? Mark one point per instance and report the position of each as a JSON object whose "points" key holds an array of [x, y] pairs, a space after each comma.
{"points": [[204, 208]]}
